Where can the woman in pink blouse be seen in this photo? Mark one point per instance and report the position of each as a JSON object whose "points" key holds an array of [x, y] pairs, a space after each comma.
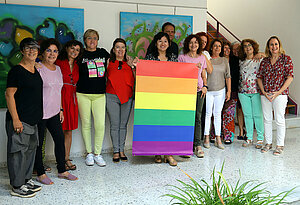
{"points": [[274, 77]]}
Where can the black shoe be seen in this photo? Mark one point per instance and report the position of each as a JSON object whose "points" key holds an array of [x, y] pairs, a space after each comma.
{"points": [[124, 159], [116, 160], [23, 192], [33, 187]]}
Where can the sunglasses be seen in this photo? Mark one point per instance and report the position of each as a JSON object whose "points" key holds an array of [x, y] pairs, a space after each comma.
{"points": [[120, 65]]}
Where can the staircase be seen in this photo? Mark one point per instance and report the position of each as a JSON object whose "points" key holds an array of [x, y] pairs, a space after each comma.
{"points": [[214, 29]]}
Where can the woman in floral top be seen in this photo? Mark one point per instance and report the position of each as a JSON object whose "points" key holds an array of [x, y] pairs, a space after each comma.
{"points": [[248, 92], [274, 77]]}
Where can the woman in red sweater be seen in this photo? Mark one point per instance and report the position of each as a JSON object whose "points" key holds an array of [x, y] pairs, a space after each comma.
{"points": [[119, 92]]}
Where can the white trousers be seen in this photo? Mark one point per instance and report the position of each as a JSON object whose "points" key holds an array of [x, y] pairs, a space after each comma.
{"points": [[214, 105], [279, 106]]}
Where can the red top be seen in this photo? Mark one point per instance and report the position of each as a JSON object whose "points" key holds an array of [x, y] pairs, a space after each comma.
{"points": [[120, 82], [274, 76], [68, 93]]}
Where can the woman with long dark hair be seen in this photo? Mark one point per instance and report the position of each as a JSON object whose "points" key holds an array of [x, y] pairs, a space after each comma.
{"points": [[68, 63]]}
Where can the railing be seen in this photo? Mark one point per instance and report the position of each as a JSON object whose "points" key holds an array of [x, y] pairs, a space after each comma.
{"points": [[224, 27]]}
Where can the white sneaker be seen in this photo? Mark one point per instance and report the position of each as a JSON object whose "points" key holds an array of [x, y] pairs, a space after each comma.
{"points": [[89, 160], [99, 160]]}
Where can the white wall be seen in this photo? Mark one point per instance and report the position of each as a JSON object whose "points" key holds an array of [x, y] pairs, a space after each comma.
{"points": [[260, 20], [104, 17]]}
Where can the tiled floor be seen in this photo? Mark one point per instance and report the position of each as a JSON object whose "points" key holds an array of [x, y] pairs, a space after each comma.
{"points": [[141, 181]]}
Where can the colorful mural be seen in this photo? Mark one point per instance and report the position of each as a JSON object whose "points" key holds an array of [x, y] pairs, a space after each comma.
{"points": [[37, 22], [138, 29]]}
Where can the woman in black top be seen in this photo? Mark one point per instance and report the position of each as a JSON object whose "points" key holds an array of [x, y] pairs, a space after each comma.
{"points": [[25, 109], [90, 94]]}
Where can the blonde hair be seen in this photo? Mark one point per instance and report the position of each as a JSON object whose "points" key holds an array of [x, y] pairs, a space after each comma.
{"points": [[267, 50], [88, 32]]}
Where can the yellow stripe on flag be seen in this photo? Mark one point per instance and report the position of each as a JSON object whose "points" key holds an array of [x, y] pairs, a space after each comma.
{"points": [[165, 101]]}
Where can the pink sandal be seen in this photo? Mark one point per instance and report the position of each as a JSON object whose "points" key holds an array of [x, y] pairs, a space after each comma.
{"points": [[46, 180], [68, 177]]}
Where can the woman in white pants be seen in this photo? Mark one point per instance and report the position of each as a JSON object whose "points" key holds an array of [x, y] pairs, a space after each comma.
{"points": [[274, 77], [215, 96]]}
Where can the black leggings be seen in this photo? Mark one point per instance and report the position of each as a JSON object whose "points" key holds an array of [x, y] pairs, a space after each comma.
{"points": [[54, 126]]}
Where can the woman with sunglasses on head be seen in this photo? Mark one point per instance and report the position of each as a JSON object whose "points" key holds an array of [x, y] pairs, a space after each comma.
{"points": [[274, 78], [90, 94], [160, 52], [119, 92], [52, 111], [68, 63]]}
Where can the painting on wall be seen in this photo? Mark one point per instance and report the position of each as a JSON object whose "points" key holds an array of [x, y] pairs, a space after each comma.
{"points": [[138, 30], [21, 21]]}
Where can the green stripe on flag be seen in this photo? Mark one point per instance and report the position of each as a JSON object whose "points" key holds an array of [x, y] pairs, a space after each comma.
{"points": [[164, 117]]}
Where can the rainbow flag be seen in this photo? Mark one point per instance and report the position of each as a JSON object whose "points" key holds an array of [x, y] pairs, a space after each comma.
{"points": [[165, 107]]}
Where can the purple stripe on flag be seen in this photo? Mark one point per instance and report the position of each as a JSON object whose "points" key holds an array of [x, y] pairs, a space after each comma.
{"points": [[162, 148]]}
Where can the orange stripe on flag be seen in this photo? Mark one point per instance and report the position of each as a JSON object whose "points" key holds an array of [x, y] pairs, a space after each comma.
{"points": [[166, 85]]}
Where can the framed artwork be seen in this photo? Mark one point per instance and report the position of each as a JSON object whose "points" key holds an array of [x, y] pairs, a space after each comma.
{"points": [[138, 30], [21, 21]]}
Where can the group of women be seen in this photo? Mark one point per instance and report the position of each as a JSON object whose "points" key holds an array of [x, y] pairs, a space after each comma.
{"points": [[91, 81]]}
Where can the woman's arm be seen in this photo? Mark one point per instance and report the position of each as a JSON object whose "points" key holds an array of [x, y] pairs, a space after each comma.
{"points": [[11, 105], [204, 79], [209, 67], [261, 87], [228, 84]]}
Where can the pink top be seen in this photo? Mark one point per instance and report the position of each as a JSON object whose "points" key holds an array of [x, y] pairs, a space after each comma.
{"points": [[52, 85], [201, 59]]}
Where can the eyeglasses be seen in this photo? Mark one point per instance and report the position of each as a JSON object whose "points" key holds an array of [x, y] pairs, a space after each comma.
{"points": [[48, 50], [120, 65], [92, 38], [248, 45], [30, 48]]}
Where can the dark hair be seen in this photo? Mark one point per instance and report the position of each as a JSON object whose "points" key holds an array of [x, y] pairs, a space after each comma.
{"points": [[226, 43], [242, 54], [28, 42], [112, 54], [187, 41], [63, 55], [153, 48], [47, 43], [212, 43], [167, 24], [207, 38]]}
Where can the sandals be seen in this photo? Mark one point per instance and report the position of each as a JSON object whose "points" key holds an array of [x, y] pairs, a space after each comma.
{"points": [[247, 143], [199, 152], [70, 177], [227, 140], [259, 144], [47, 168], [46, 180], [278, 151], [266, 148], [157, 159], [69, 165]]}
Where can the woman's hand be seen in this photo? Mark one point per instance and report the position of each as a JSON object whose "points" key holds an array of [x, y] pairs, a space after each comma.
{"points": [[273, 95], [135, 61], [18, 126], [204, 91], [199, 65], [61, 116], [259, 56], [228, 93]]}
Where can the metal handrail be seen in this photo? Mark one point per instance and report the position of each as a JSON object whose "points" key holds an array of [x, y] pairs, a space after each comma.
{"points": [[220, 24]]}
